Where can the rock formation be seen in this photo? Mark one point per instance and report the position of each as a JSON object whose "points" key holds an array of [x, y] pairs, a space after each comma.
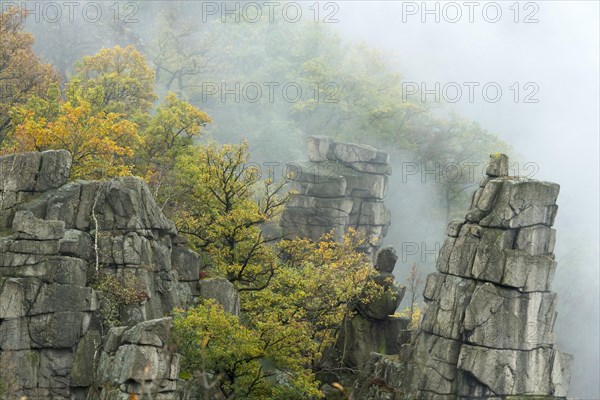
{"points": [[487, 330], [90, 271], [342, 186], [60, 337], [374, 327]]}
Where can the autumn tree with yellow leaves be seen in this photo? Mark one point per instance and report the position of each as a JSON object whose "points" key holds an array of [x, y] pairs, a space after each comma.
{"points": [[22, 73], [102, 118], [273, 349], [99, 142], [294, 294]]}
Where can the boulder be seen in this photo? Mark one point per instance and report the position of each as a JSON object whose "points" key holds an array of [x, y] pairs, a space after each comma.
{"points": [[495, 372], [498, 165], [223, 291], [386, 259], [319, 148], [28, 227]]}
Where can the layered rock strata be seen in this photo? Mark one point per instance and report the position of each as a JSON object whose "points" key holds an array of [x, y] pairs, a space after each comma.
{"points": [[342, 186], [63, 337], [487, 329], [375, 328]]}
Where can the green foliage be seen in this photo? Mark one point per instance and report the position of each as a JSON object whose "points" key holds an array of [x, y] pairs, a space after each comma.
{"points": [[247, 363], [284, 328], [102, 118], [220, 201], [100, 142], [349, 91], [167, 134], [122, 290], [117, 290]]}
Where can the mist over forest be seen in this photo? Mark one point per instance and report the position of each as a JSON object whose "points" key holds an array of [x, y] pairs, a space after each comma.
{"points": [[438, 85]]}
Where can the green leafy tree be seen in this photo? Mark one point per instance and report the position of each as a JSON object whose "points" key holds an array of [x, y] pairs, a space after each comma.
{"points": [[167, 134], [125, 79], [221, 202]]}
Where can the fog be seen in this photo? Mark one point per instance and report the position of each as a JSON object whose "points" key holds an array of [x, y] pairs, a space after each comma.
{"points": [[559, 133], [527, 72]]}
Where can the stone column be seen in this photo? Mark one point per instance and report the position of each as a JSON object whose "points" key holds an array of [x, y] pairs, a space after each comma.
{"points": [[487, 330]]}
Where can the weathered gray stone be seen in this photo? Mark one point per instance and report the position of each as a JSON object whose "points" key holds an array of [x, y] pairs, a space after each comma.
{"points": [[351, 153], [488, 195], [374, 213], [16, 296], [454, 228], [442, 262], [113, 338], [49, 319], [127, 204], [78, 244], [315, 204], [463, 251], [319, 148], [386, 304], [14, 334], [54, 170], [490, 256], [55, 368], [537, 239], [28, 227], [366, 185], [493, 372], [223, 292], [24, 364], [152, 333], [140, 363], [45, 247], [447, 297], [523, 202], [55, 298], [435, 360], [58, 330], [528, 273], [386, 259], [62, 270], [360, 336], [498, 165], [506, 319], [19, 172], [62, 204], [84, 359], [186, 262]]}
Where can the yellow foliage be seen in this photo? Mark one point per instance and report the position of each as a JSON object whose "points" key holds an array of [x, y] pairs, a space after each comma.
{"points": [[125, 80], [99, 143], [414, 317]]}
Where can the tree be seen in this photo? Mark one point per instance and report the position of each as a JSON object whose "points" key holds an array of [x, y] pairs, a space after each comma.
{"points": [[221, 202], [22, 73], [168, 134], [183, 50], [126, 80], [99, 142], [211, 339], [272, 351]]}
